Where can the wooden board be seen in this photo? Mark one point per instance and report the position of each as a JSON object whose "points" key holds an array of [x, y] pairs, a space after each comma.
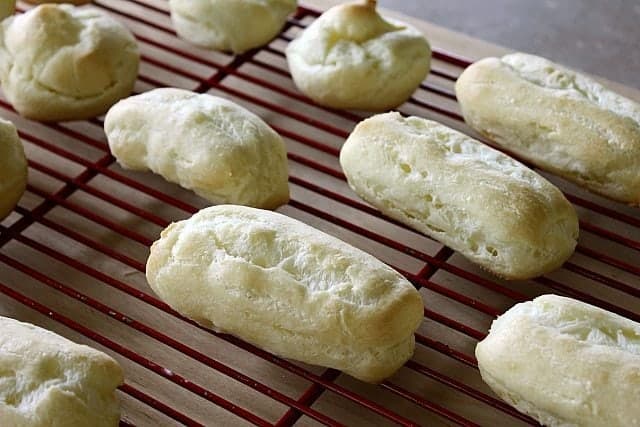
{"points": [[72, 256]]}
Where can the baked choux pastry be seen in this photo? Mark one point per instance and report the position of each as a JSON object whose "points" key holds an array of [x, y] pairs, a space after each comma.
{"points": [[207, 144], [288, 288], [353, 58], [565, 363], [60, 62], [230, 25], [558, 119], [48, 380], [474, 199], [13, 168]]}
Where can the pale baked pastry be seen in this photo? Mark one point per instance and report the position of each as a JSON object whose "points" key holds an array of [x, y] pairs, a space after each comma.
{"points": [[207, 144], [59, 62], [230, 25], [7, 8], [13, 168], [492, 209], [558, 119], [47, 380], [565, 363], [288, 288], [352, 58]]}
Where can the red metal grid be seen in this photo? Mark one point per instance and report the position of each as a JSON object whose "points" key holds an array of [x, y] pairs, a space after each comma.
{"points": [[327, 381]]}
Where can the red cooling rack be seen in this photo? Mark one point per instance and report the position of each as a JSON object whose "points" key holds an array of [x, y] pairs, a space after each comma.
{"points": [[72, 257]]}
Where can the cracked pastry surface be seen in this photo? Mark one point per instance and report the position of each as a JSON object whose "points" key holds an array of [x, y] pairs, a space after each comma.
{"points": [[353, 58], [47, 380], [288, 288], [60, 62], [558, 119], [480, 202], [207, 144], [565, 363]]}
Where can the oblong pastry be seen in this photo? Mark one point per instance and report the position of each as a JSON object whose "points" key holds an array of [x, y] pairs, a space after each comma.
{"points": [[230, 25], [353, 58], [13, 168], [47, 380], [207, 144], [60, 62], [288, 288], [476, 200], [560, 120], [565, 363]]}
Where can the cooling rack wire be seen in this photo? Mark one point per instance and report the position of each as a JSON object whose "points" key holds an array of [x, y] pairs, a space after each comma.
{"points": [[72, 256]]}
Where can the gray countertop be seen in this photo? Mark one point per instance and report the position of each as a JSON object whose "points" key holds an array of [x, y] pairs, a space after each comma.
{"points": [[598, 36]]}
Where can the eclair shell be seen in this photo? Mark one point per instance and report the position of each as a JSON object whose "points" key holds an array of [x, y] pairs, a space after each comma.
{"points": [[474, 199], [288, 288], [558, 119], [48, 380], [565, 363]]}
